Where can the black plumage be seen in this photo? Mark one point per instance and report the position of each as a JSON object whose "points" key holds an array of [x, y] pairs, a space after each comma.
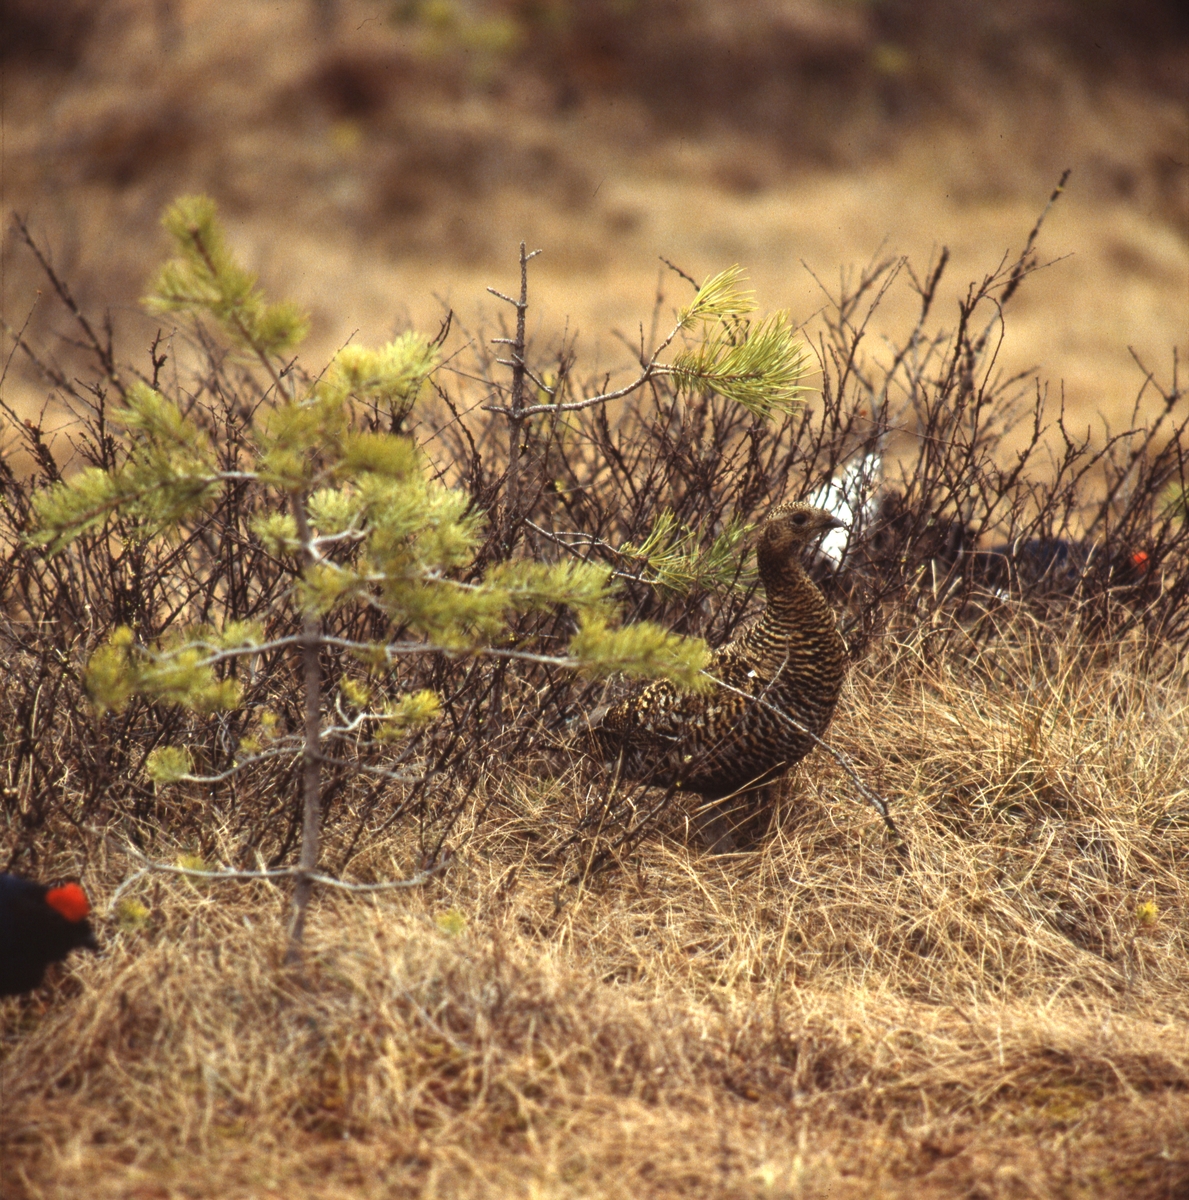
{"points": [[1056, 566], [895, 540], [778, 683], [39, 925]]}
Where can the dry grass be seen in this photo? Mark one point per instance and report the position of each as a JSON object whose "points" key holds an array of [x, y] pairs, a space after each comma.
{"points": [[999, 1018], [1004, 1014]]}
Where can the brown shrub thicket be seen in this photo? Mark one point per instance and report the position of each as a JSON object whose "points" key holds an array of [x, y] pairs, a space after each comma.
{"points": [[581, 1001]]}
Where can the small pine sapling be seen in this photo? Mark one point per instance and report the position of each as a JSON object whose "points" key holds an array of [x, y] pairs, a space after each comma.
{"points": [[354, 514]]}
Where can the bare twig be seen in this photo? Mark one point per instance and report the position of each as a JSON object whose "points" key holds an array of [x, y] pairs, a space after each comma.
{"points": [[419, 879]]}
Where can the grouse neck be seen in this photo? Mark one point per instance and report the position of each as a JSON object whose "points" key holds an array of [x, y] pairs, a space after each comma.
{"points": [[783, 574], [789, 590]]}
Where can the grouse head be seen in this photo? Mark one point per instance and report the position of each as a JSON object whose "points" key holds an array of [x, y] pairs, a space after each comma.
{"points": [[39, 925], [787, 531]]}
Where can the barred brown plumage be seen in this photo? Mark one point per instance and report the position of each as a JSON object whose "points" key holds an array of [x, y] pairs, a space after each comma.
{"points": [[779, 682]]}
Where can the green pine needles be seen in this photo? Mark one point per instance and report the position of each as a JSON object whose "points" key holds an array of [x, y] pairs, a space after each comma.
{"points": [[354, 513], [677, 559], [205, 278], [759, 367], [168, 474]]}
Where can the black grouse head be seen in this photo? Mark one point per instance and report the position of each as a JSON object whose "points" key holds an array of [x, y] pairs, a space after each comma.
{"points": [[39, 925]]}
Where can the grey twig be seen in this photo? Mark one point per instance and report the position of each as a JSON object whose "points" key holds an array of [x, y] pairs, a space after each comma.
{"points": [[223, 873]]}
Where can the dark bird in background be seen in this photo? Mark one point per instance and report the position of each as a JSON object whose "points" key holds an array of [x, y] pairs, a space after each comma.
{"points": [[790, 663], [1054, 566], [889, 538], [39, 925]]}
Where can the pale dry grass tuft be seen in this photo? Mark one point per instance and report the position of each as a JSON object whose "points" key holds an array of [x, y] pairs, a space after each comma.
{"points": [[1005, 1016]]}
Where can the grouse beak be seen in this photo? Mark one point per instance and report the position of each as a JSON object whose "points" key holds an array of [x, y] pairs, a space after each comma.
{"points": [[92, 943], [833, 522]]}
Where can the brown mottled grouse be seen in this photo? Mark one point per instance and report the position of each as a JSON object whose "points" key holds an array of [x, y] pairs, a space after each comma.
{"points": [[792, 661]]}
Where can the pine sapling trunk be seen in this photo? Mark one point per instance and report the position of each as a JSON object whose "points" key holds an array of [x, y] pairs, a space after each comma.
{"points": [[311, 645], [311, 820]]}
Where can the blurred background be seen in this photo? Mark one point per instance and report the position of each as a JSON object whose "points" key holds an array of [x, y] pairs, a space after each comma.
{"points": [[380, 160]]}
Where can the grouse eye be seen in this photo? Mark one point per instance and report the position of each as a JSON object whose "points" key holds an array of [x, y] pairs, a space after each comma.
{"points": [[800, 518]]}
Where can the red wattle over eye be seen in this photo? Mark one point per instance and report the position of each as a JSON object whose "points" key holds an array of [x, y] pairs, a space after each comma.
{"points": [[70, 900]]}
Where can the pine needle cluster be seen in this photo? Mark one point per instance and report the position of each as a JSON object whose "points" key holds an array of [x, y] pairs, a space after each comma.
{"points": [[679, 559]]}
